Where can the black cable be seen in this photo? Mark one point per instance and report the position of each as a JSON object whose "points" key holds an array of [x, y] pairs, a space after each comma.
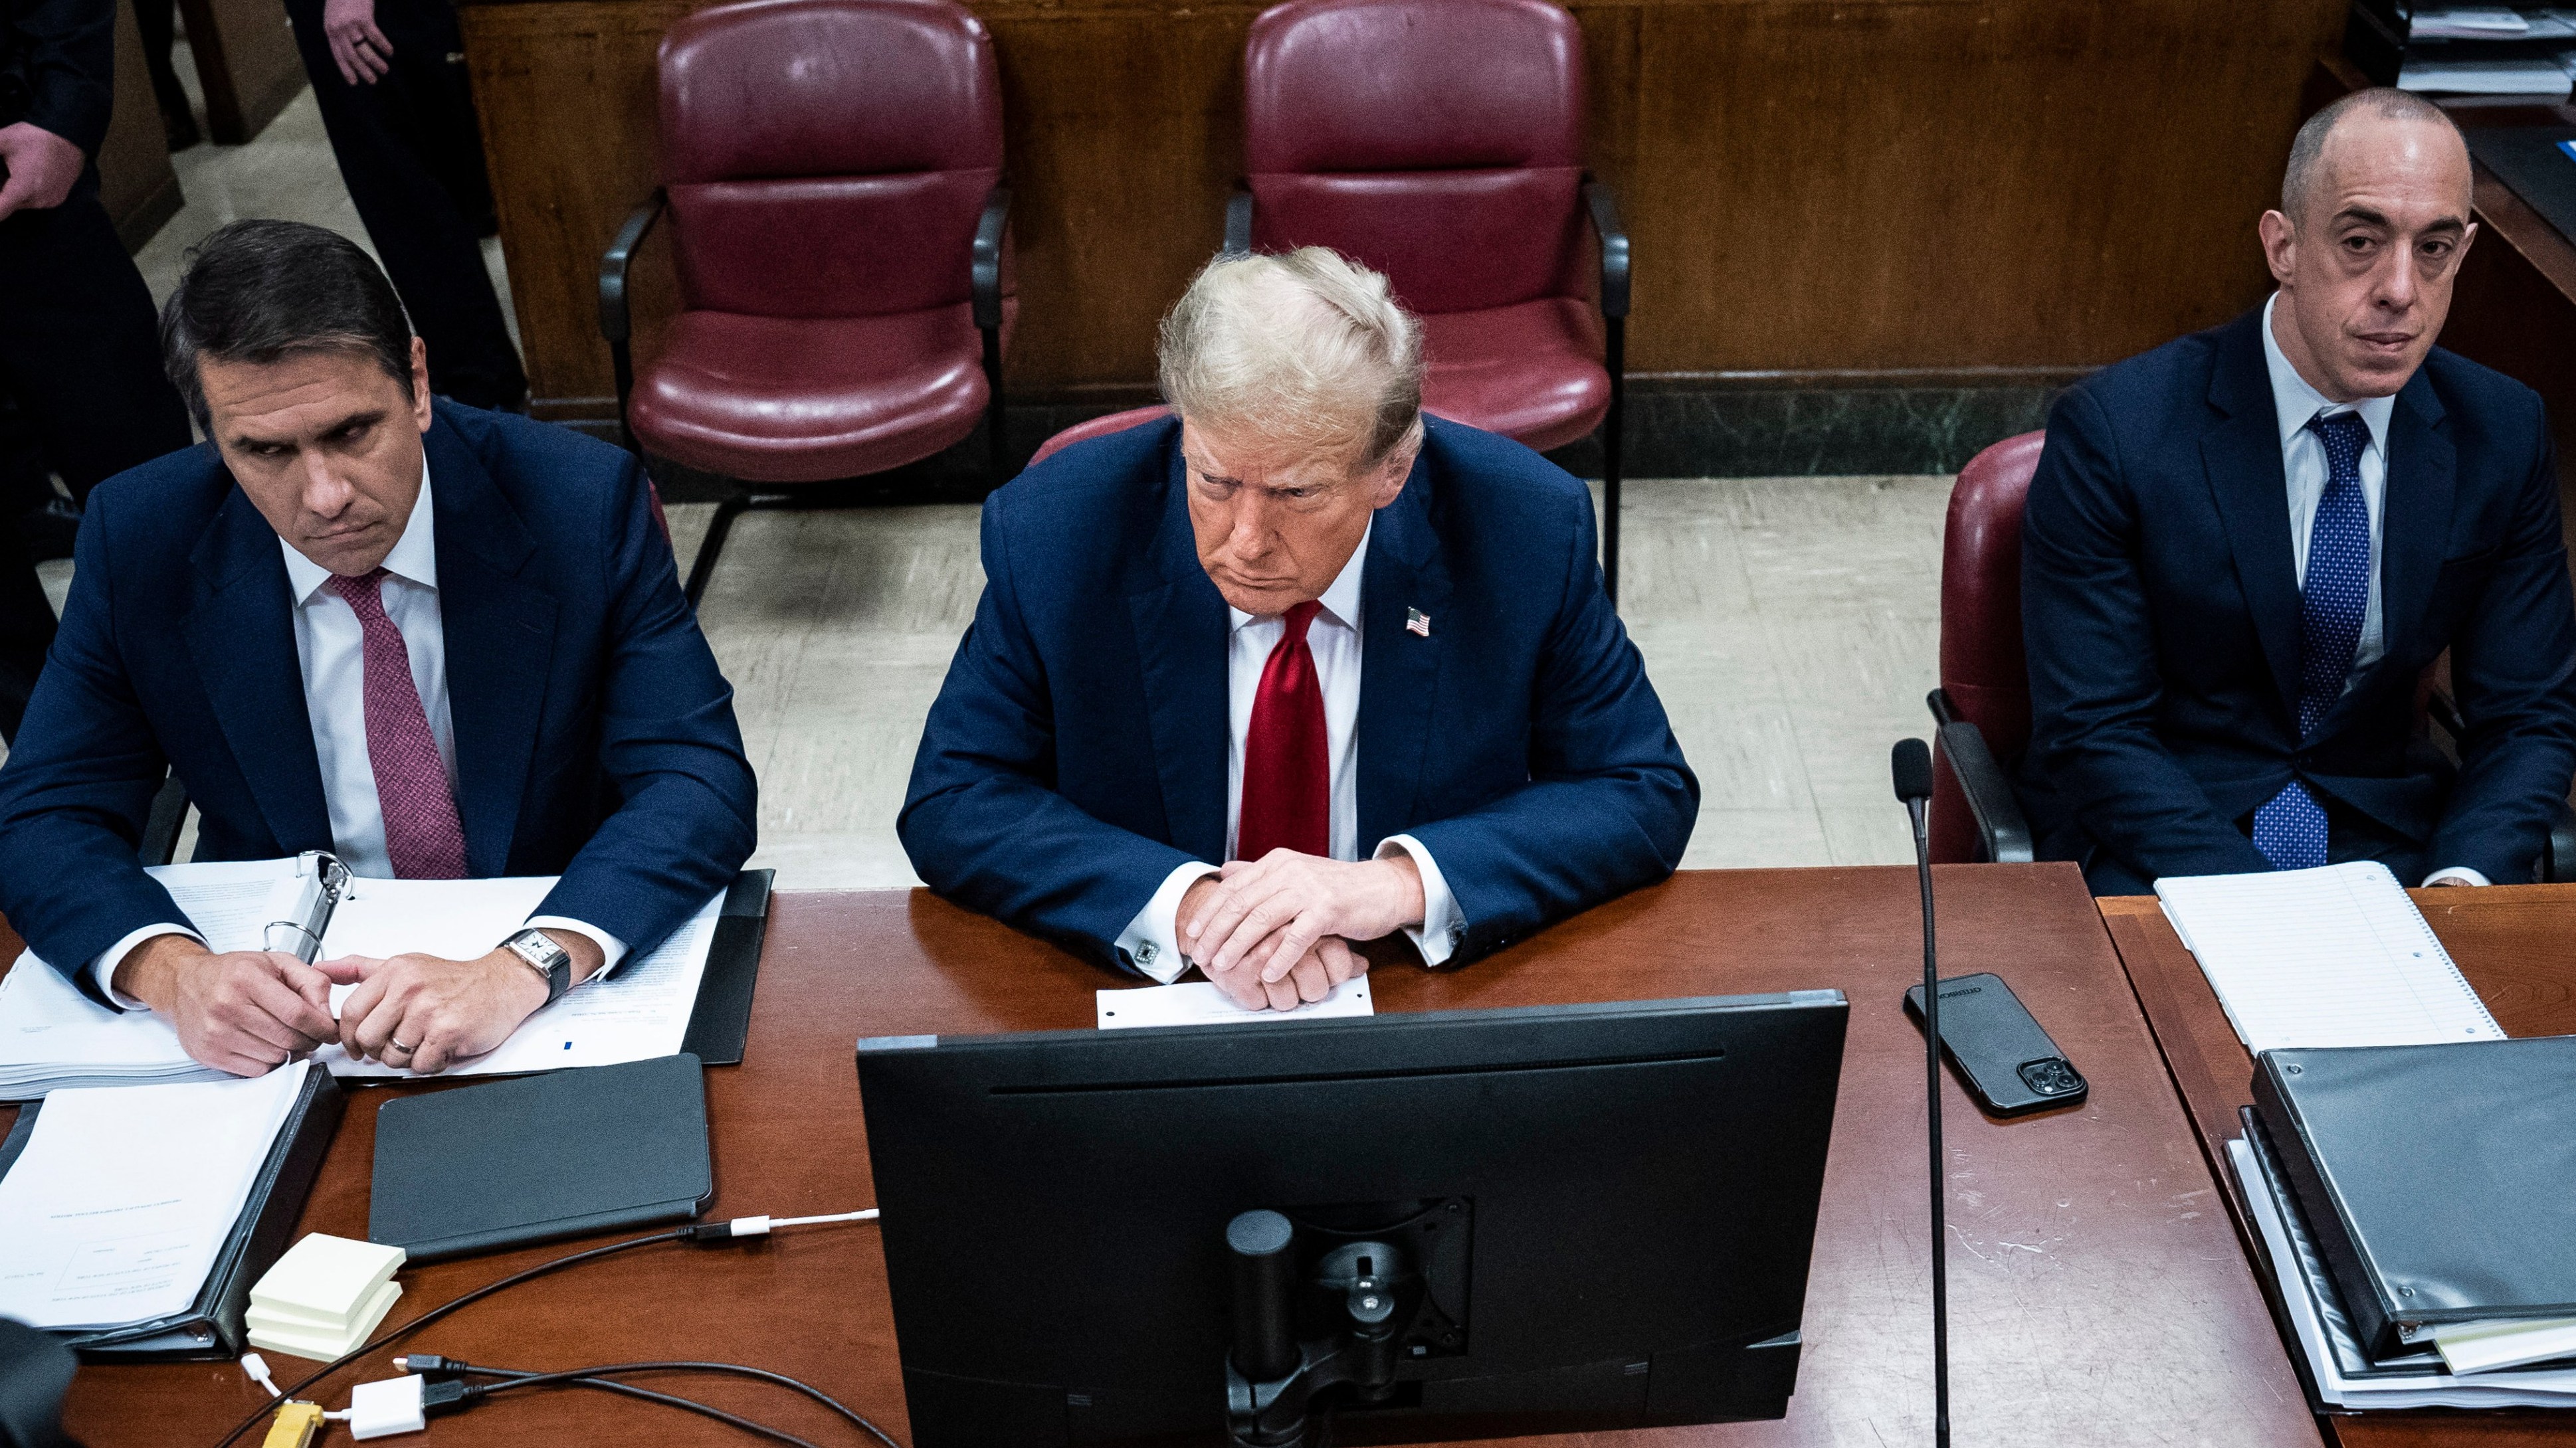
{"points": [[434, 1314], [518, 1379], [690, 1405]]}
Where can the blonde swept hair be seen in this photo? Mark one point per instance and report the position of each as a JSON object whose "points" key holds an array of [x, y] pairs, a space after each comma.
{"points": [[1307, 348]]}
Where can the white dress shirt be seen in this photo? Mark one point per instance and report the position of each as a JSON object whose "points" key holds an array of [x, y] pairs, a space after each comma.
{"points": [[2303, 465], [330, 647], [1151, 941]]}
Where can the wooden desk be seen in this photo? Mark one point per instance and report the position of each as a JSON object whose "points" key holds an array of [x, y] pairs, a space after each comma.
{"points": [[2513, 944], [2096, 1294]]}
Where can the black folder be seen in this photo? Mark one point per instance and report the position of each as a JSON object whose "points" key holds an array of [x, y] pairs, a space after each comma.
{"points": [[2439, 1181], [538, 1158], [212, 1326], [722, 1016], [2529, 161]]}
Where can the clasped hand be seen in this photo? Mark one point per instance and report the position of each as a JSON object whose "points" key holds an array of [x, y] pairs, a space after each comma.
{"points": [[1276, 931], [249, 1011]]}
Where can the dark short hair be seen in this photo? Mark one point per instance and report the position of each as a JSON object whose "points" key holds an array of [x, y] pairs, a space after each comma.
{"points": [[2385, 102], [257, 291]]}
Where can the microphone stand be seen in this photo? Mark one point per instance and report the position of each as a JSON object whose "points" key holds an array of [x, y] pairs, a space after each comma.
{"points": [[1915, 809]]}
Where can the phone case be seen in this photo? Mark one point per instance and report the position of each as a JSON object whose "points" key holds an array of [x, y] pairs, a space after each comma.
{"points": [[2000, 1053]]}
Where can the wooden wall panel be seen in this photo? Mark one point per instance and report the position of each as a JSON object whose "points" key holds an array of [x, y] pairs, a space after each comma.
{"points": [[1812, 186]]}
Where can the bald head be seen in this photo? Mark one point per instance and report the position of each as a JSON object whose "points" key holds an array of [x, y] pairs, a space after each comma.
{"points": [[2373, 222], [2299, 180]]}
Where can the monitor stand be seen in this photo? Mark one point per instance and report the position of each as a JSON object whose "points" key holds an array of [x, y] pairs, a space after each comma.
{"points": [[1275, 1383]]}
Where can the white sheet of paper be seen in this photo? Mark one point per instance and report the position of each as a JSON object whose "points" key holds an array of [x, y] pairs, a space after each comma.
{"points": [[639, 1012], [1200, 1003], [2482, 1347], [123, 1196], [2336, 956]]}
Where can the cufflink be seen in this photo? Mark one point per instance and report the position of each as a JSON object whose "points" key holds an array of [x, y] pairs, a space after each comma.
{"points": [[1457, 933], [1146, 952]]}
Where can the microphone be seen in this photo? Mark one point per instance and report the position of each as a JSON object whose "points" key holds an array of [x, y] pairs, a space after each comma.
{"points": [[1911, 762]]}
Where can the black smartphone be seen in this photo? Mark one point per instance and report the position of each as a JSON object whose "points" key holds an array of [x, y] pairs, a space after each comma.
{"points": [[2000, 1053]]}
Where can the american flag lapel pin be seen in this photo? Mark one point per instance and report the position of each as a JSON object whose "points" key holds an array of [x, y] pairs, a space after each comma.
{"points": [[1417, 622]]}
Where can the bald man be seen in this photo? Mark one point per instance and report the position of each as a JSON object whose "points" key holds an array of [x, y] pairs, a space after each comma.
{"points": [[2243, 549]]}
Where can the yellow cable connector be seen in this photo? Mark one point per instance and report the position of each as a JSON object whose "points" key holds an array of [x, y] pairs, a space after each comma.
{"points": [[296, 1426]]}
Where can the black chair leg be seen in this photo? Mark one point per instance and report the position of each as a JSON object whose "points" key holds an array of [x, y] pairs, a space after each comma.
{"points": [[997, 452], [704, 566]]}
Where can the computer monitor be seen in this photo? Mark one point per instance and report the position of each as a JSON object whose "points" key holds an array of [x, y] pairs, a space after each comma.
{"points": [[1396, 1229]]}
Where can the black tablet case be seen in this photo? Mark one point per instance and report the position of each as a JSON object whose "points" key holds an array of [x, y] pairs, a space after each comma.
{"points": [[565, 1154], [2439, 1181], [212, 1327]]}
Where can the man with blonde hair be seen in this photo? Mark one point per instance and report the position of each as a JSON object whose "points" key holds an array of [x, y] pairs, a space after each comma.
{"points": [[1297, 667]]}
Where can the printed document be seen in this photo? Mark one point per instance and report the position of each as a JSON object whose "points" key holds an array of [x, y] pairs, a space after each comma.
{"points": [[1200, 1003], [117, 1208]]}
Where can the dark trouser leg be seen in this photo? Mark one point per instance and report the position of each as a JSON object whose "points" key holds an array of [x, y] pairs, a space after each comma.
{"points": [[79, 354], [2352, 835], [79, 346], [412, 158], [26, 631], [159, 22]]}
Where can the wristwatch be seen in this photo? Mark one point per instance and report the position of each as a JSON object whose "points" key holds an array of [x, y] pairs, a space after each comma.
{"points": [[550, 961]]}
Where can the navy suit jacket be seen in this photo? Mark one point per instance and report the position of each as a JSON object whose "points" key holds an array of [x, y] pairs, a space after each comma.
{"points": [[1077, 753], [2160, 607], [595, 738]]}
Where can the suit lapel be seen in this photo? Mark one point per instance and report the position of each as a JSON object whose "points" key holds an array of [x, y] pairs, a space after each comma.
{"points": [[1182, 639], [2415, 513], [500, 632], [241, 634], [2242, 455], [1399, 669]]}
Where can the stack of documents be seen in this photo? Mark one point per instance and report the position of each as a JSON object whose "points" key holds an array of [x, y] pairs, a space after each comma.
{"points": [[121, 1199], [2539, 75], [1201, 1003], [2346, 1376], [52, 1036], [323, 1297], [2336, 956], [2464, 22]]}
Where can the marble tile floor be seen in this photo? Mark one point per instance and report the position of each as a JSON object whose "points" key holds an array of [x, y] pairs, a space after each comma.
{"points": [[285, 173], [1790, 625]]}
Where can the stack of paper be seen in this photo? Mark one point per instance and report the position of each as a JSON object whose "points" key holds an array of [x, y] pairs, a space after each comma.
{"points": [[323, 1297], [52, 1036], [2337, 956], [121, 1199], [2346, 1377], [1200, 1003], [2542, 75], [2463, 22]]}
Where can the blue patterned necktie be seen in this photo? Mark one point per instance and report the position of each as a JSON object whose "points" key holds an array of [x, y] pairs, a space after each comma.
{"points": [[2290, 829]]}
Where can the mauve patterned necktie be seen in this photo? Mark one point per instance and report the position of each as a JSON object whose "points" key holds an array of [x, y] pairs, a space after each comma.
{"points": [[422, 834], [2290, 829]]}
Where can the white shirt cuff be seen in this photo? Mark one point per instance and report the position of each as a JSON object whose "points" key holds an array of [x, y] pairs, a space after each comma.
{"points": [[611, 949], [1442, 927], [1151, 943], [2461, 873], [103, 970]]}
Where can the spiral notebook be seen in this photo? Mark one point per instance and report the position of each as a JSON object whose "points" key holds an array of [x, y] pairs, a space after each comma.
{"points": [[2335, 956]]}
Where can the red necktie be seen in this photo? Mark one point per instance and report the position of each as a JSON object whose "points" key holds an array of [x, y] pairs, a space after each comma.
{"points": [[1287, 765]]}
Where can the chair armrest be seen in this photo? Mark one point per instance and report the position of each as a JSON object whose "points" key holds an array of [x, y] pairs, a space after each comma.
{"points": [[2558, 853], [160, 842], [614, 322], [2000, 825], [1238, 222], [989, 230], [1604, 210]]}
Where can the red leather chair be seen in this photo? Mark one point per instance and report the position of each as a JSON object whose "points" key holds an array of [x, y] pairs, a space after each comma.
{"points": [[832, 171], [1098, 427], [1983, 704], [1441, 142]]}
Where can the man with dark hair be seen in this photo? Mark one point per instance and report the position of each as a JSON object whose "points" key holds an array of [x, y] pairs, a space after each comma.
{"points": [[437, 641], [2244, 550], [75, 320]]}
